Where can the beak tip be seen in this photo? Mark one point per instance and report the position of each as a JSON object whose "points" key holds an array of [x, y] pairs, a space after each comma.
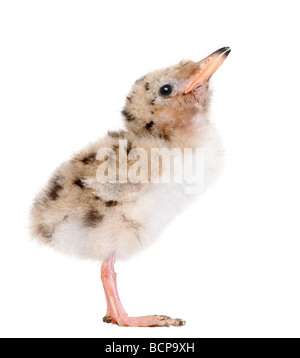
{"points": [[208, 66], [224, 50]]}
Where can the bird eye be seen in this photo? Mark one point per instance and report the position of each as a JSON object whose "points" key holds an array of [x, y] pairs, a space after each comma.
{"points": [[165, 90]]}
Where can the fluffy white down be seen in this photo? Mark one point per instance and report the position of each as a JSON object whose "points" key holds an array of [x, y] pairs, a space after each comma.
{"points": [[145, 219], [165, 201]]}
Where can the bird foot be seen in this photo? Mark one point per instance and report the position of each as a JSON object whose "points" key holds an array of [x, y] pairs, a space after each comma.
{"points": [[145, 321], [116, 313]]}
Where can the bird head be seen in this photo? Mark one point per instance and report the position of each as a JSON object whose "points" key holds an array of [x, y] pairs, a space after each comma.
{"points": [[173, 101]]}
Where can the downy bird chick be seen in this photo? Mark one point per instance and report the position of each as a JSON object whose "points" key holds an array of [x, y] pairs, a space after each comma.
{"points": [[90, 207]]}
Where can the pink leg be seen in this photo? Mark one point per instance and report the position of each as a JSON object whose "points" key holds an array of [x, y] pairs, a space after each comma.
{"points": [[109, 313], [115, 311]]}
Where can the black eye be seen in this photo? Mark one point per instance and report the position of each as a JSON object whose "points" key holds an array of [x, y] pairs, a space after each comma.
{"points": [[165, 90]]}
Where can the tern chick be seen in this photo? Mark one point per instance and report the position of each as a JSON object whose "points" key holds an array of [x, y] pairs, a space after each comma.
{"points": [[109, 202]]}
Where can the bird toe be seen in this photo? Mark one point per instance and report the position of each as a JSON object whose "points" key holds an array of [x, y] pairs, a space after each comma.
{"points": [[179, 322], [107, 319]]}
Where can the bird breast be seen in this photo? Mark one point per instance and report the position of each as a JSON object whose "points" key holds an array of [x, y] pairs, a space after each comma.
{"points": [[164, 201]]}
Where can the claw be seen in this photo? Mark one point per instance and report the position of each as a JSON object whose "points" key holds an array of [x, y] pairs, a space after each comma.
{"points": [[179, 322], [107, 319]]}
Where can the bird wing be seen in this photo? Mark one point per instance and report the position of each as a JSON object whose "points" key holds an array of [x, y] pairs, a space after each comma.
{"points": [[114, 191], [114, 170]]}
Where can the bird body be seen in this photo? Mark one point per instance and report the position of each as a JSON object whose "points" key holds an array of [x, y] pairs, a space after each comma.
{"points": [[79, 214], [75, 218]]}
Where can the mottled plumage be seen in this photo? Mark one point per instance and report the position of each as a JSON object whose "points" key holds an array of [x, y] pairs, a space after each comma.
{"points": [[80, 216]]}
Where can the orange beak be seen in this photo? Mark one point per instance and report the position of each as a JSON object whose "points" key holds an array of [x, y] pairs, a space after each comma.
{"points": [[207, 67]]}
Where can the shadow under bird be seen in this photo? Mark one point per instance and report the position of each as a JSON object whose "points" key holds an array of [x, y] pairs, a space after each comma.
{"points": [[79, 215]]}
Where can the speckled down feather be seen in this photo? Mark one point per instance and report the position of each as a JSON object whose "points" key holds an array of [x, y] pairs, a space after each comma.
{"points": [[78, 216]]}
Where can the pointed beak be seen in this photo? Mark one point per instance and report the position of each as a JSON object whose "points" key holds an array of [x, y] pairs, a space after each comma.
{"points": [[207, 67]]}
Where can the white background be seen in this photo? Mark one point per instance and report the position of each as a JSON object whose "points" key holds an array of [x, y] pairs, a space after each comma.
{"points": [[65, 69]]}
